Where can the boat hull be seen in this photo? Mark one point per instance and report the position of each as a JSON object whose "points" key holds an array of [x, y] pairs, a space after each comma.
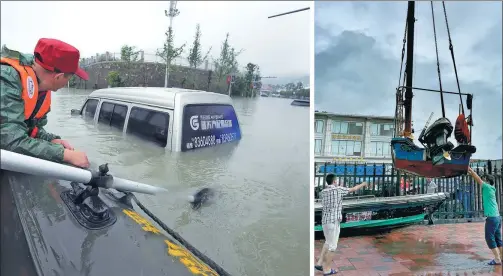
{"points": [[48, 240], [381, 214], [412, 159], [300, 103], [356, 228]]}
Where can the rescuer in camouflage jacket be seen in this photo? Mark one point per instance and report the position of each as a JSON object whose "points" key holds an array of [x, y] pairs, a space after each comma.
{"points": [[26, 83]]}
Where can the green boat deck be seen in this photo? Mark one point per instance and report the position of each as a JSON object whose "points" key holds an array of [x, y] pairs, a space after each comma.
{"points": [[378, 223]]}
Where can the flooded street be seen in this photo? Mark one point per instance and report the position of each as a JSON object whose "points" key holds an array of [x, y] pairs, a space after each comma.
{"points": [[259, 222]]}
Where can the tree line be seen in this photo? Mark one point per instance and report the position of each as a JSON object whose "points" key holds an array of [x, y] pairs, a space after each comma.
{"points": [[247, 81]]}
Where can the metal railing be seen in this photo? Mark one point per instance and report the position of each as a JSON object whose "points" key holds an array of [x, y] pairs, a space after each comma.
{"points": [[465, 201], [142, 57]]}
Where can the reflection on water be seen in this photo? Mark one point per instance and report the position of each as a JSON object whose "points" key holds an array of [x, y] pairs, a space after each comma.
{"points": [[259, 222]]}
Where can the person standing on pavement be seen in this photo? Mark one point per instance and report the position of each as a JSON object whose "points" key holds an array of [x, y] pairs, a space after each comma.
{"points": [[331, 198], [493, 218], [26, 84], [431, 187]]}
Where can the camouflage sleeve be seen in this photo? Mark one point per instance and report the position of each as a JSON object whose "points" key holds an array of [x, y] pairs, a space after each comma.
{"points": [[42, 134], [13, 130]]}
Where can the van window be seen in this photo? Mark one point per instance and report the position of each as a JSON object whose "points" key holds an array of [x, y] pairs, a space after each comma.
{"points": [[149, 124], [118, 116], [106, 113], [112, 114], [209, 125], [90, 108]]}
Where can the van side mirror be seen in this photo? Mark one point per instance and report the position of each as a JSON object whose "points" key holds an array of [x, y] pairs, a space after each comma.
{"points": [[75, 112]]}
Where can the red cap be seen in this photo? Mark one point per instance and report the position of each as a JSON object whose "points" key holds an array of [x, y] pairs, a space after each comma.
{"points": [[56, 55]]}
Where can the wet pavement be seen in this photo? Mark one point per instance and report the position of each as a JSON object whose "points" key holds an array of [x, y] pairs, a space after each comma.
{"points": [[444, 249]]}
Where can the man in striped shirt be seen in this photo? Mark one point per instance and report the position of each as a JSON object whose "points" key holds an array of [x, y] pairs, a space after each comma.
{"points": [[331, 198]]}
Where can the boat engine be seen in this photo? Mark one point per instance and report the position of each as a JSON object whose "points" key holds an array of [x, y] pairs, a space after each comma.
{"points": [[434, 139]]}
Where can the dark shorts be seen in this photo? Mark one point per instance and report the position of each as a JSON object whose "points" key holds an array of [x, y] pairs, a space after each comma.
{"points": [[493, 232]]}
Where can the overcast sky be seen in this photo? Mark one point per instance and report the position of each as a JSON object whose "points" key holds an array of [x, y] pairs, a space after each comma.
{"points": [[280, 46], [357, 63]]}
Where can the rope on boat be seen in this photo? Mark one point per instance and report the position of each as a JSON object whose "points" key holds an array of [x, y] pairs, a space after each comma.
{"points": [[181, 240]]}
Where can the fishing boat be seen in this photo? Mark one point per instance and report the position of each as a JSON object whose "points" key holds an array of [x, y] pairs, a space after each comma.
{"points": [[380, 208], [62, 220], [437, 157], [366, 214]]}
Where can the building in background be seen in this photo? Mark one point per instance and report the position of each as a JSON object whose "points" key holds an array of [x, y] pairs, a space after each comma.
{"points": [[350, 138], [266, 90]]}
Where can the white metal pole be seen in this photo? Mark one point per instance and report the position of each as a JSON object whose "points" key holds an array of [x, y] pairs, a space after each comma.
{"points": [[12, 161], [16, 162]]}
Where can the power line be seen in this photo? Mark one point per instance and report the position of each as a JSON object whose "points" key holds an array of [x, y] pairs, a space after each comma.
{"points": [[290, 12]]}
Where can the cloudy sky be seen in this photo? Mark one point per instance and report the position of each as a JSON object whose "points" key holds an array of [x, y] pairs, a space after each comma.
{"points": [[357, 63], [280, 46]]}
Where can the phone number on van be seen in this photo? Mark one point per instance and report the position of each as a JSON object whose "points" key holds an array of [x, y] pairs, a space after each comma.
{"points": [[211, 140]]}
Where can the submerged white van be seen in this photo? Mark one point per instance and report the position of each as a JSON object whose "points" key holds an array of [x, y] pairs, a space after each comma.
{"points": [[174, 118]]}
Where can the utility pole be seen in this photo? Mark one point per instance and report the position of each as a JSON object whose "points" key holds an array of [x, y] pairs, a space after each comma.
{"points": [[230, 88], [409, 69], [172, 13]]}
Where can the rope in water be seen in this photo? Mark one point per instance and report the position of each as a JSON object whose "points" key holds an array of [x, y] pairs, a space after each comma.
{"points": [[218, 269]]}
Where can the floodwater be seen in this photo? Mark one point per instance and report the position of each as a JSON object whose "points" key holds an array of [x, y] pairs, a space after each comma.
{"points": [[258, 223]]}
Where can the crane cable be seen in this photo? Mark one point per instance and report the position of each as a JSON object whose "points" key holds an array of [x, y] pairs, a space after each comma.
{"points": [[438, 62], [451, 48]]}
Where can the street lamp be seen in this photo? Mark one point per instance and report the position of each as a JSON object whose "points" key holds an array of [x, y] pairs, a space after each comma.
{"points": [[172, 13]]}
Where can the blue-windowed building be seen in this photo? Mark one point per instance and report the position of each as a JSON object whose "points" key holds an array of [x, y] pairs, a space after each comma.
{"points": [[349, 138]]}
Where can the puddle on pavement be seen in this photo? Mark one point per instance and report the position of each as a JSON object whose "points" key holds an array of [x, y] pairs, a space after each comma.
{"points": [[431, 251]]}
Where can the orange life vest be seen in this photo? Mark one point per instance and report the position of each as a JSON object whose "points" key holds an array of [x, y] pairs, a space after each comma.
{"points": [[35, 107]]}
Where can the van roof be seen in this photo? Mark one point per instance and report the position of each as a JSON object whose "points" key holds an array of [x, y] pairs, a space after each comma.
{"points": [[160, 96]]}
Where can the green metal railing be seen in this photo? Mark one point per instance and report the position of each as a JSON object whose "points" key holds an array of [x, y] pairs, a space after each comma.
{"points": [[465, 201]]}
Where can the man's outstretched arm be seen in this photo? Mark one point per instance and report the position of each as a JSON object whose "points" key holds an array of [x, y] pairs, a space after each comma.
{"points": [[475, 176], [358, 187]]}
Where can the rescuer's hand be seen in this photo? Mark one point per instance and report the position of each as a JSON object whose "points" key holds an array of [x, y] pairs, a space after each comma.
{"points": [[76, 158], [64, 143]]}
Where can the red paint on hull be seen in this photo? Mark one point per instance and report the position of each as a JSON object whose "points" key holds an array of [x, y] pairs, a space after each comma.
{"points": [[427, 169]]}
